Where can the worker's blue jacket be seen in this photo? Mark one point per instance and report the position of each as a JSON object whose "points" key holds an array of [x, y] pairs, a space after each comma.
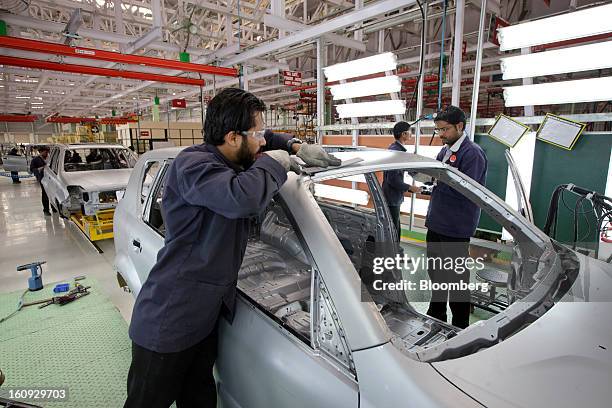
{"points": [[393, 181], [450, 213], [207, 203]]}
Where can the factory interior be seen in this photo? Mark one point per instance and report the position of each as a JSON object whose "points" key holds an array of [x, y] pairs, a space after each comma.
{"points": [[303, 203]]}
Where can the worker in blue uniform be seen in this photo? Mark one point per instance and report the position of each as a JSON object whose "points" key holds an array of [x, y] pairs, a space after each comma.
{"points": [[393, 185], [212, 190], [452, 218]]}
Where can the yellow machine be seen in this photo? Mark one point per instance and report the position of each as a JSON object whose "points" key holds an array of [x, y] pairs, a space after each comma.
{"points": [[95, 227]]}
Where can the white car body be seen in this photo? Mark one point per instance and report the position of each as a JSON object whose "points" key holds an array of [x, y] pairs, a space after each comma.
{"points": [[84, 190]]}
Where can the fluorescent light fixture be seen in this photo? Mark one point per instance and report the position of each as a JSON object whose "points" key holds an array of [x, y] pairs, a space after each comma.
{"points": [[575, 59], [36, 103], [578, 24], [555, 93], [360, 67], [346, 195], [378, 108], [374, 86], [22, 97]]}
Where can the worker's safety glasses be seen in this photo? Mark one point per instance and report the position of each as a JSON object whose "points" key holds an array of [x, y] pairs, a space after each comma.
{"points": [[257, 134], [444, 129]]}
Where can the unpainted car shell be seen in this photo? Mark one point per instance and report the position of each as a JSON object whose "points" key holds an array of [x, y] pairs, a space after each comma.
{"points": [[522, 370], [91, 182]]}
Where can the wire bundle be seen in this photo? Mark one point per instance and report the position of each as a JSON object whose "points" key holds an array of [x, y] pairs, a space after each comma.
{"points": [[601, 209]]}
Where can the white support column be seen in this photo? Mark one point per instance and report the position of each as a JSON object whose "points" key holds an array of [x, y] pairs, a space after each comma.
{"points": [[523, 154], [321, 63], [229, 30], [119, 24], [476, 86], [245, 81], [419, 108], [305, 12], [529, 111], [156, 11], [457, 52], [358, 35], [278, 9]]}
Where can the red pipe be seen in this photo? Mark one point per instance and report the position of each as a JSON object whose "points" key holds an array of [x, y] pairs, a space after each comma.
{"points": [[17, 118], [116, 121], [91, 53], [544, 47], [83, 69], [69, 119]]}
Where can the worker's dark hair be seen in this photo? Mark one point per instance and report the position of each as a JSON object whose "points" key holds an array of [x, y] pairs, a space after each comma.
{"points": [[399, 128], [452, 115], [231, 109], [43, 149]]}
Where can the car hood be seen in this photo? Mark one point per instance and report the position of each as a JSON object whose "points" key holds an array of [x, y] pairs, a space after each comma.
{"points": [[563, 359], [98, 180]]}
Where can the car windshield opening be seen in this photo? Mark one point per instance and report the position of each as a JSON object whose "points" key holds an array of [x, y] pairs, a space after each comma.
{"points": [[87, 159], [515, 278]]}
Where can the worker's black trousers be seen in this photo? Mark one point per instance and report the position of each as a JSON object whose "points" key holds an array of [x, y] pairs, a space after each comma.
{"points": [[444, 247], [395, 219], [45, 199], [156, 380]]}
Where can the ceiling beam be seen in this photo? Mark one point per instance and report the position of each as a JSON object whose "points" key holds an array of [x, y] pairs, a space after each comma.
{"points": [[293, 26], [329, 26]]}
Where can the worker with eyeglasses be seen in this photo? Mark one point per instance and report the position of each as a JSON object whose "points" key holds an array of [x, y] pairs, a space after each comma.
{"points": [[451, 217], [212, 190]]}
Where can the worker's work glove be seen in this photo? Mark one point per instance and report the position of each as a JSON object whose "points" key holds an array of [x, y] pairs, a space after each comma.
{"points": [[281, 156], [295, 166], [315, 156]]}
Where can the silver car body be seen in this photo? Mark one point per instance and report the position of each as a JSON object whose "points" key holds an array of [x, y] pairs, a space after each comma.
{"points": [[84, 191], [16, 163], [333, 349]]}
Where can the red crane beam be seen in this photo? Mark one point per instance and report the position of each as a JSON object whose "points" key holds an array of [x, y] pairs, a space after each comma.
{"points": [[83, 69], [17, 118], [91, 53]]}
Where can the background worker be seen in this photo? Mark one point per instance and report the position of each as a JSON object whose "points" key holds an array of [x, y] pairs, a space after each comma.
{"points": [[14, 174], [452, 218], [212, 190], [37, 167], [394, 186]]}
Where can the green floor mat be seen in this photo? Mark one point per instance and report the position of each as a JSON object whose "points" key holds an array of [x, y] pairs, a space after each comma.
{"points": [[82, 346], [413, 235]]}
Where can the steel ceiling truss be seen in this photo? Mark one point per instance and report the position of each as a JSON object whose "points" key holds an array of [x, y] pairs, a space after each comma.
{"points": [[220, 27]]}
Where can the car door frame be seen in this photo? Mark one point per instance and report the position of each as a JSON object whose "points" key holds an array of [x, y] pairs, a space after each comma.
{"points": [[148, 242], [285, 338], [51, 180]]}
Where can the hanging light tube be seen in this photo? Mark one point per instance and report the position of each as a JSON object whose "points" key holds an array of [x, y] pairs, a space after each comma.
{"points": [[555, 93], [569, 26], [375, 86], [378, 108], [575, 59], [360, 67]]}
